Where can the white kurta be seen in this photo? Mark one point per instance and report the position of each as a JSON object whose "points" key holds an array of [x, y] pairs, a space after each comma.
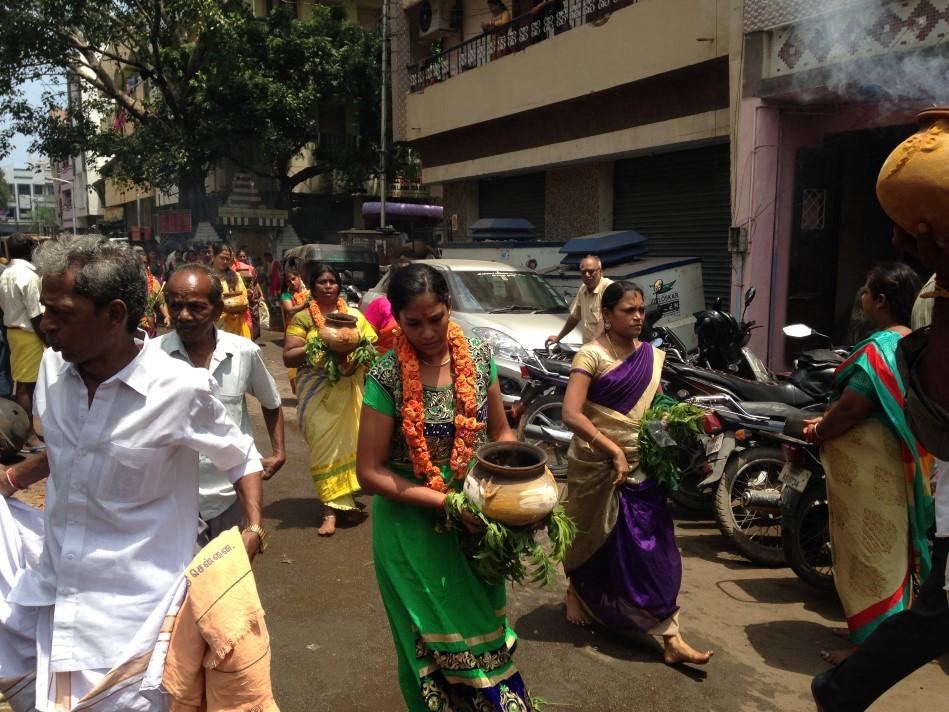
{"points": [[122, 498]]}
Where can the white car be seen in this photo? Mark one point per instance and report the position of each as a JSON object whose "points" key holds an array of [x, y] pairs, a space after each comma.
{"points": [[513, 310]]}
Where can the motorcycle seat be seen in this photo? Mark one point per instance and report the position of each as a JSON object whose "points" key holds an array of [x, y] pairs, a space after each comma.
{"points": [[819, 359], [554, 366], [746, 390], [775, 411]]}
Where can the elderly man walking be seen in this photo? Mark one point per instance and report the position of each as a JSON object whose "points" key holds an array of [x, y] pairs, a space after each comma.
{"points": [[20, 302], [195, 302], [124, 425], [585, 308]]}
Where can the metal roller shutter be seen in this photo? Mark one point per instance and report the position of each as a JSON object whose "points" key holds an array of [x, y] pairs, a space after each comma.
{"points": [[520, 196], [681, 201]]}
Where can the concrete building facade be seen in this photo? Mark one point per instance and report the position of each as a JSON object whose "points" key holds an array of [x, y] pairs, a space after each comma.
{"points": [[596, 116], [32, 203]]}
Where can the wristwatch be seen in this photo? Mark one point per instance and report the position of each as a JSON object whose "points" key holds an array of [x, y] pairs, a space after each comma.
{"points": [[261, 534]]}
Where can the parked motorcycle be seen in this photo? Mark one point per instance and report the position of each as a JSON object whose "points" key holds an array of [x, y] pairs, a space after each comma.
{"points": [[805, 534], [539, 414], [723, 342], [807, 388], [745, 460]]}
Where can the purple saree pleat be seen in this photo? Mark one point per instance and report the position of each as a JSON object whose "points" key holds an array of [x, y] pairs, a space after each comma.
{"points": [[621, 387], [631, 583]]}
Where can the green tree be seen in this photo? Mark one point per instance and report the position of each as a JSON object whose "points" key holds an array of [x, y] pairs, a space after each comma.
{"points": [[43, 220], [218, 84], [4, 192]]}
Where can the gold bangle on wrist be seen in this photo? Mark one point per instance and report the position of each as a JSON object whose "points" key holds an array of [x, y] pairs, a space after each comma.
{"points": [[12, 480], [261, 534], [595, 438]]}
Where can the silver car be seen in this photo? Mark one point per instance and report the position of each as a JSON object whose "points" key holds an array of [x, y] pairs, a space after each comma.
{"points": [[513, 310]]}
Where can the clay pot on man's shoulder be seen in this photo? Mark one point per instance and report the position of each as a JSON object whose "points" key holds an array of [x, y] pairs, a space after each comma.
{"points": [[339, 333], [913, 185]]}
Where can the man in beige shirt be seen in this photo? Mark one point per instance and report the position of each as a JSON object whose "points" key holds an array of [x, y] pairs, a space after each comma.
{"points": [[585, 308]]}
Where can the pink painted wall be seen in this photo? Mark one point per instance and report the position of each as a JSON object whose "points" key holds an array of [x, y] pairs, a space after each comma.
{"points": [[754, 209], [764, 195]]}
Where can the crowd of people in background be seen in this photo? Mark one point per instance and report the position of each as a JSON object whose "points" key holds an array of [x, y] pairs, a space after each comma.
{"points": [[172, 438]]}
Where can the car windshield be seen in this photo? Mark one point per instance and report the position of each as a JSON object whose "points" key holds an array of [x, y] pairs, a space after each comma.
{"points": [[483, 292]]}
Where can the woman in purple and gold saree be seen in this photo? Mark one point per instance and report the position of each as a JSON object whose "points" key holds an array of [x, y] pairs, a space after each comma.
{"points": [[624, 567]]}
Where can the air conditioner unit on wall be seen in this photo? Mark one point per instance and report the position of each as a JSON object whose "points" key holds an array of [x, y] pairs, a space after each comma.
{"points": [[434, 19]]}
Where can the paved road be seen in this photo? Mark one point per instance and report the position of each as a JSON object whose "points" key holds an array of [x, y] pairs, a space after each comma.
{"points": [[332, 649]]}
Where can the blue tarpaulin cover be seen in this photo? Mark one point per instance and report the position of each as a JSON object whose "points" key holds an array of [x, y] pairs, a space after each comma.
{"points": [[614, 247], [502, 229]]}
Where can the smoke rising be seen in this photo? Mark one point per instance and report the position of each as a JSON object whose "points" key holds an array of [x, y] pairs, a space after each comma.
{"points": [[913, 60]]}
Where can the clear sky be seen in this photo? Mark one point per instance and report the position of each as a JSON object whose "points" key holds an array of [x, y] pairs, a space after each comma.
{"points": [[19, 154]]}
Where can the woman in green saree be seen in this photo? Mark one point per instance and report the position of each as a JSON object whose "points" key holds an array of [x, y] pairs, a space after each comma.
{"points": [[429, 403], [878, 491]]}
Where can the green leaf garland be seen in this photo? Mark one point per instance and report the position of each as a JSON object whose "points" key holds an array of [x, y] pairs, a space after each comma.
{"points": [[501, 552], [318, 355], [665, 426]]}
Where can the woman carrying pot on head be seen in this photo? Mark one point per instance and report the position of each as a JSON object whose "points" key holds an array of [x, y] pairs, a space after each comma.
{"points": [[235, 318], [294, 299], [878, 490], [328, 409], [624, 566], [429, 404]]}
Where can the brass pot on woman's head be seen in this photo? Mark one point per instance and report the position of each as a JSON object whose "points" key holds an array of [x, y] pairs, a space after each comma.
{"points": [[913, 185]]}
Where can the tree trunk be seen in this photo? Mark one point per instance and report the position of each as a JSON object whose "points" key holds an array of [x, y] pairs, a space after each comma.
{"points": [[193, 196], [283, 198]]}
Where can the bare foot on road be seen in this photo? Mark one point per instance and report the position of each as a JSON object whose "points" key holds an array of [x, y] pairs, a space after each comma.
{"points": [[835, 657], [329, 525], [576, 613], [841, 633], [677, 651]]}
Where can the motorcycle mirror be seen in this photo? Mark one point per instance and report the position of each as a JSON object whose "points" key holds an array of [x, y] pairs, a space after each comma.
{"points": [[718, 304], [750, 296], [797, 331]]}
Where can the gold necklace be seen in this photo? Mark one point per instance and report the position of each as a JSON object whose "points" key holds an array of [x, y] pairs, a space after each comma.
{"points": [[443, 363], [613, 350]]}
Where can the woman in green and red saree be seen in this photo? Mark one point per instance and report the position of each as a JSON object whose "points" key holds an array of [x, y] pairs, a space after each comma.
{"points": [[878, 490], [429, 404]]}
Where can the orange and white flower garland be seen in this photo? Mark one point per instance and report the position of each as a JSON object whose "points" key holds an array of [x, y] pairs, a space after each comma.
{"points": [[413, 409], [318, 319]]}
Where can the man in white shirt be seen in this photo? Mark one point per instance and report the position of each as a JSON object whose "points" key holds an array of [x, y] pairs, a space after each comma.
{"points": [[585, 309], [20, 302], [195, 302], [124, 424]]}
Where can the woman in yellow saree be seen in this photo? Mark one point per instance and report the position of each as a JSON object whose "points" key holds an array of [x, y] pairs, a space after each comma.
{"points": [[624, 567], [878, 491], [328, 412], [234, 318]]}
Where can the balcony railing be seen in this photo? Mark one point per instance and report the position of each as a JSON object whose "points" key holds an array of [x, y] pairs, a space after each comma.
{"points": [[519, 34]]}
